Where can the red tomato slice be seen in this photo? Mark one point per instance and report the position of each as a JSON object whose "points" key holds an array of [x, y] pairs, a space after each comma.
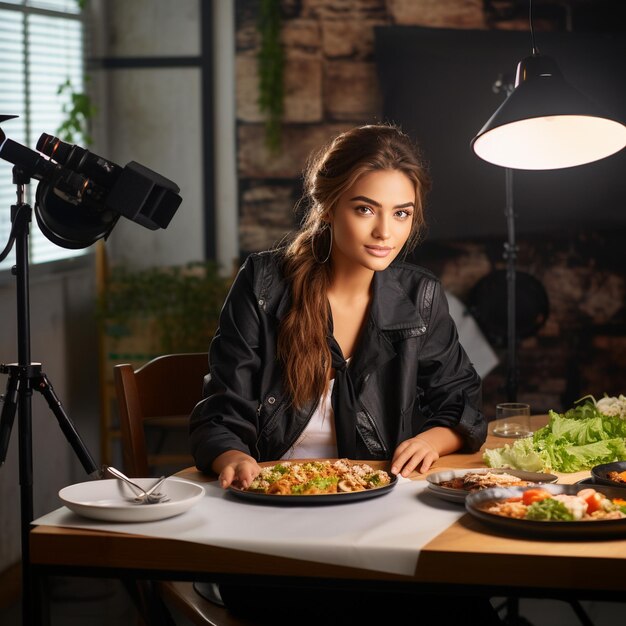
{"points": [[535, 495], [592, 498]]}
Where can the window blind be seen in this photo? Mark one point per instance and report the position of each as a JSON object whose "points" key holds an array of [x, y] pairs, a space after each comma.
{"points": [[41, 47]]}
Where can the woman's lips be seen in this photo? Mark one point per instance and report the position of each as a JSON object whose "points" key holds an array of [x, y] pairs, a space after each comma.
{"points": [[379, 251]]}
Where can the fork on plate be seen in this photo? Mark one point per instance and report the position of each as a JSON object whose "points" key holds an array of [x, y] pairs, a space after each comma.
{"points": [[142, 496]]}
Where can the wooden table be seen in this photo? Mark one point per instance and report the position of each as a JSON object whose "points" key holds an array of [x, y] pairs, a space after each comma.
{"points": [[467, 554]]}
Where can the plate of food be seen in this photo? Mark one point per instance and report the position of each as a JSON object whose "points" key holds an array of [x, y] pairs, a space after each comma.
{"points": [[317, 481], [455, 485], [611, 474], [111, 500], [554, 511]]}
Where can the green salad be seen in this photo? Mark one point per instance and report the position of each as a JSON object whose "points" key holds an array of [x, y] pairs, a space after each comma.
{"points": [[576, 440]]}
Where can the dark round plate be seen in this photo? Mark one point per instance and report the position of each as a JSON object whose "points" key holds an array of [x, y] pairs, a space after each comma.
{"points": [[459, 495], [586, 481], [539, 529], [599, 473], [322, 498]]}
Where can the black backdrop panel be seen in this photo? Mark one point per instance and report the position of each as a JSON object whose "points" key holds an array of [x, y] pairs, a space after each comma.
{"points": [[437, 85]]}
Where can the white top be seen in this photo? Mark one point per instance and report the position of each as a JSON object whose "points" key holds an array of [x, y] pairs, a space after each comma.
{"points": [[318, 439]]}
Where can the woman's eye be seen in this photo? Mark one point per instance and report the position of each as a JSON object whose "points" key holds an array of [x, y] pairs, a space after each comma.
{"points": [[403, 214], [363, 210]]}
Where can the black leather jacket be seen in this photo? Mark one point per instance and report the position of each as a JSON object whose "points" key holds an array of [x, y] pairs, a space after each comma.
{"points": [[409, 371]]}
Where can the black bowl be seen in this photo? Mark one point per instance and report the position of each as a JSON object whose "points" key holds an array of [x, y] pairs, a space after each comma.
{"points": [[538, 529], [599, 473]]}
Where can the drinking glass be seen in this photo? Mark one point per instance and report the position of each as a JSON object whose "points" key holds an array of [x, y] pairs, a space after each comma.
{"points": [[512, 420]]}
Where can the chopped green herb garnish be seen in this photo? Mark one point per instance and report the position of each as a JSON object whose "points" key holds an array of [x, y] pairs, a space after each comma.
{"points": [[549, 509]]}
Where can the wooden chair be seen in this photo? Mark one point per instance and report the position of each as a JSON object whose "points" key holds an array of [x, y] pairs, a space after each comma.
{"points": [[162, 392], [166, 388]]}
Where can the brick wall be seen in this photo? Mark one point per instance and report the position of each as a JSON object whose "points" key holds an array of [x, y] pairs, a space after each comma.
{"points": [[331, 85]]}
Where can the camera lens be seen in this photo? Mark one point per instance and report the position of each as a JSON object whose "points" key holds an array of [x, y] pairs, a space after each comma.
{"points": [[31, 162], [101, 171], [54, 148]]}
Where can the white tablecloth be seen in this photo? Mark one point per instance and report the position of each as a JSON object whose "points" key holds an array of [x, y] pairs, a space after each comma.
{"points": [[385, 533]]}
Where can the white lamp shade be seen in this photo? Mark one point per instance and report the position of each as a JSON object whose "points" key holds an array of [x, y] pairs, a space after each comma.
{"points": [[555, 141], [546, 123]]}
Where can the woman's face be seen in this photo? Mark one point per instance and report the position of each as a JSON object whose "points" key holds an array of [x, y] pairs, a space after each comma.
{"points": [[372, 220]]}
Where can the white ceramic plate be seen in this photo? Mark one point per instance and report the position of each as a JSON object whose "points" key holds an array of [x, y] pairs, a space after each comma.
{"points": [[459, 495], [111, 500]]}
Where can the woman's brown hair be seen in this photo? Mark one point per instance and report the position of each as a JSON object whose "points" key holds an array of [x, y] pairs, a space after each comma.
{"points": [[302, 340]]}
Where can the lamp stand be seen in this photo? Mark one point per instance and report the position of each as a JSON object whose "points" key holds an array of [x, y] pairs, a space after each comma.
{"points": [[510, 254]]}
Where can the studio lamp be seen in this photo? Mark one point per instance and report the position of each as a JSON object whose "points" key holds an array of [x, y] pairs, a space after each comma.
{"points": [[544, 123]]}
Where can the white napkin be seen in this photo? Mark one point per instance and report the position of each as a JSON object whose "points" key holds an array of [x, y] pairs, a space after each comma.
{"points": [[385, 533]]}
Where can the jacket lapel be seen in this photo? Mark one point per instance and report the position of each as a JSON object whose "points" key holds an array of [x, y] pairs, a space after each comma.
{"points": [[392, 308], [392, 317]]}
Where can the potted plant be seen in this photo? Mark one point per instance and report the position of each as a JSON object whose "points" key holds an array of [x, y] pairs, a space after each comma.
{"points": [[150, 312], [159, 310]]}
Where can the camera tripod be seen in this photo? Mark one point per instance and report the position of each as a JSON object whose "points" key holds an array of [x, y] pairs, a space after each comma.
{"points": [[25, 377]]}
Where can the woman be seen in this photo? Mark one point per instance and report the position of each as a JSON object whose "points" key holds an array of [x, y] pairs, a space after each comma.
{"points": [[327, 346], [332, 346]]}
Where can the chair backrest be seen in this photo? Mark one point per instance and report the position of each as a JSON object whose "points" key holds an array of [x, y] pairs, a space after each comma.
{"points": [[167, 387]]}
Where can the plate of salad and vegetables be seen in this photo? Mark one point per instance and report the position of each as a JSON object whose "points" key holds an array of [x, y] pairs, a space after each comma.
{"points": [[552, 510], [591, 433]]}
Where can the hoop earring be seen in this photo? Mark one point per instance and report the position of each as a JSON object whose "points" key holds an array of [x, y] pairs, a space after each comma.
{"points": [[330, 247]]}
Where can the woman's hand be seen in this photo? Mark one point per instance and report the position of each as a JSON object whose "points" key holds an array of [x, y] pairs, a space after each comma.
{"points": [[424, 449], [410, 453], [236, 468]]}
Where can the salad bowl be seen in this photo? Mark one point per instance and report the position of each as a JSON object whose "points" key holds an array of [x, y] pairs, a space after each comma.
{"points": [[599, 474], [477, 504]]}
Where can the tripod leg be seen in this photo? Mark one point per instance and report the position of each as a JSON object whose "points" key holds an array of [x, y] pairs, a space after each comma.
{"points": [[25, 438], [9, 408], [18, 396], [40, 597], [67, 426]]}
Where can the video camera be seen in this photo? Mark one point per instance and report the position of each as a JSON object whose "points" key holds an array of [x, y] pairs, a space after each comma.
{"points": [[81, 195]]}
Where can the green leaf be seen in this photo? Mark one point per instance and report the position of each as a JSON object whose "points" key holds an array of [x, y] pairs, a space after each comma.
{"points": [[519, 455], [79, 110]]}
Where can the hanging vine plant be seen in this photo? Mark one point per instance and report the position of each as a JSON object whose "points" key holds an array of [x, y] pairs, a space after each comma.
{"points": [[271, 60]]}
